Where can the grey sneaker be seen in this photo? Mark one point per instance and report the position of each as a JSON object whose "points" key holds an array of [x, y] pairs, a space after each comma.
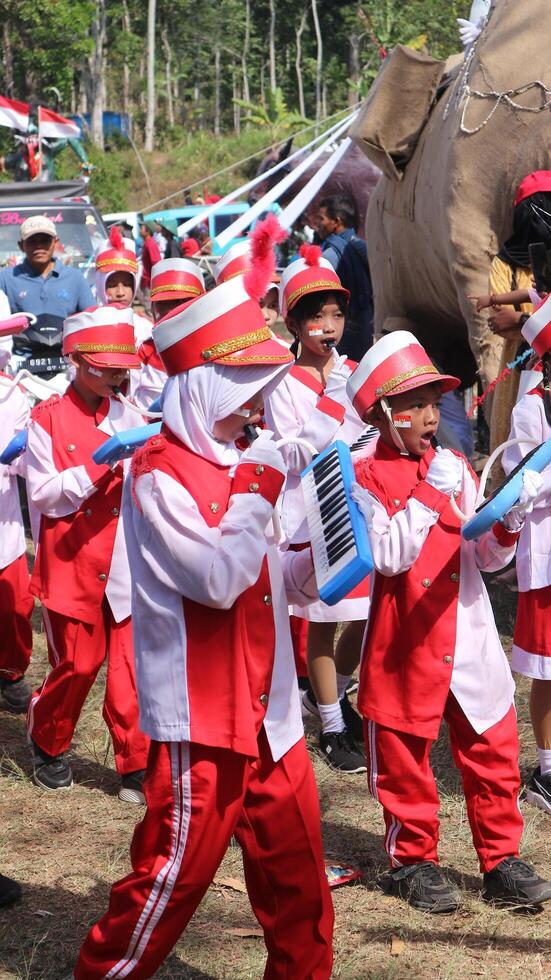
{"points": [[16, 694], [424, 886], [514, 882], [51, 772]]}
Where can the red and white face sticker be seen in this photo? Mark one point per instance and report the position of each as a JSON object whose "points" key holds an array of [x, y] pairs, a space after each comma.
{"points": [[402, 421], [315, 332]]}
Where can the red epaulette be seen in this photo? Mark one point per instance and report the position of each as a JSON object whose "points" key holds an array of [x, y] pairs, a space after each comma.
{"points": [[142, 460], [41, 407], [361, 469]]}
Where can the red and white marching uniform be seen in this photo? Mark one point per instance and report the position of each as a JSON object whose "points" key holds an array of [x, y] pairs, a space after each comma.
{"points": [[16, 603], [215, 672], [532, 640], [81, 573], [300, 408], [431, 649]]}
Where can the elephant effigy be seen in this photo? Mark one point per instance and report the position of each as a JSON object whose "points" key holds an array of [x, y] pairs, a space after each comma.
{"points": [[454, 141]]}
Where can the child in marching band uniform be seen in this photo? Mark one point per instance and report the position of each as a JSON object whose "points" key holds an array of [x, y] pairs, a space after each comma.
{"points": [[216, 681], [311, 403], [81, 573], [16, 602], [431, 649], [531, 425], [117, 279]]}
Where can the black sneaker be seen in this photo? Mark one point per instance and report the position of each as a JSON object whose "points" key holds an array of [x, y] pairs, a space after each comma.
{"points": [[51, 771], [16, 694], [538, 791], [10, 891], [131, 790], [424, 886], [352, 720], [341, 752], [514, 882]]}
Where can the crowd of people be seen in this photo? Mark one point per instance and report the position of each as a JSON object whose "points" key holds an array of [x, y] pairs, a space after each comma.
{"points": [[192, 569]]}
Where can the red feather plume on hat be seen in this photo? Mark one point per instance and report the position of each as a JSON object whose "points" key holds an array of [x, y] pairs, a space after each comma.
{"points": [[266, 234], [115, 238], [311, 254]]}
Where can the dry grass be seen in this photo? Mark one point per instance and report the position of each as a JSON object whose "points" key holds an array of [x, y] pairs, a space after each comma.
{"points": [[67, 849]]}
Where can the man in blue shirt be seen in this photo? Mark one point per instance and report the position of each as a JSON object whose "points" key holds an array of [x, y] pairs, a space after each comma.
{"points": [[41, 283], [348, 255]]}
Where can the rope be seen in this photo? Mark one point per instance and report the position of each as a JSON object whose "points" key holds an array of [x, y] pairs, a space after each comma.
{"points": [[501, 377]]}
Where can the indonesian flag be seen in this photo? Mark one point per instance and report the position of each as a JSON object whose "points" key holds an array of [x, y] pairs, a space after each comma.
{"points": [[54, 126], [14, 114]]}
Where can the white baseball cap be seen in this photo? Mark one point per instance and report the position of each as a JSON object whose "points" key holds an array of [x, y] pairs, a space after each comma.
{"points": [[37, 224]]}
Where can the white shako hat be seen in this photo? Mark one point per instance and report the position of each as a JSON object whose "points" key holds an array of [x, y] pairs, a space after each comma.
{"points": [[235, 262], [310, 273], [103, 335], [537, 328]]}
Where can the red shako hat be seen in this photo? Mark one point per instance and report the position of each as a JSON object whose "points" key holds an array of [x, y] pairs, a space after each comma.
{"points": [[117, 255], [226, 325], [395, 364], [537, 328], [310, 273], [176, 279], [235, 262], [104, 335], [534, 183]]}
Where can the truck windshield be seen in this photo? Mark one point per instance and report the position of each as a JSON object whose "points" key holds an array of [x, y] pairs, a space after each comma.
{"points": [[79, 230]]}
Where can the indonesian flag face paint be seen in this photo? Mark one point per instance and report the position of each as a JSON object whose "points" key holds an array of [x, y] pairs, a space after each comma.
{"points": [[315, 332], [402, 421]]}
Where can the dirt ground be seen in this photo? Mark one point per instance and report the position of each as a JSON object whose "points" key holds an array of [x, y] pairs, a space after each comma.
{"points": [[67, 849]]}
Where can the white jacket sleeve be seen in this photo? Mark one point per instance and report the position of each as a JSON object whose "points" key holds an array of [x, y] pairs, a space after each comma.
{"points": [[529, 425], [396, 541], [54, 493], [211, 565], [320, 429]]}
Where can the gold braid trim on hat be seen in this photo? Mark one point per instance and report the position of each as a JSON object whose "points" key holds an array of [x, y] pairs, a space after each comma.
{"points": [[131, 263], [398, 379], [236, 343], [256, 359], [176, 287], [320, 284], [105, 348]]}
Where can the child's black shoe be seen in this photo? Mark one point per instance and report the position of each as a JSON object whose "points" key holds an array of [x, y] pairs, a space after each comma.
{"points": [[10, 891], [352, 720], [514, 882], [341, 752], [538, 790], [131, 790], [16, 694], [424, 886], [51, 772]]}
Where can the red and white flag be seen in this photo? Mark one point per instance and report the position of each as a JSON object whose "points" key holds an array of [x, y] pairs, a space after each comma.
{"points": [[14, 114], [54, 126]]}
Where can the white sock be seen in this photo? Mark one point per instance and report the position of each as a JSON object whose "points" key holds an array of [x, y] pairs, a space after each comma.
{"points": [[342, 684], [331, 718], [544, 755]]}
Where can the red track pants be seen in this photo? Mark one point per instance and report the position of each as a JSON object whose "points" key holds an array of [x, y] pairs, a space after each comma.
{"points": [[401, 779], [16, 606], [76, 652], [197, 797]]}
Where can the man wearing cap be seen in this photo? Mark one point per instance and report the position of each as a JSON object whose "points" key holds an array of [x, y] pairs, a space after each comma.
{"points": [[81, 573], [41, 283]]}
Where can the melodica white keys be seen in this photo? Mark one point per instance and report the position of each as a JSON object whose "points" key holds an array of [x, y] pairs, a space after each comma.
{"points": [[338, 532]]}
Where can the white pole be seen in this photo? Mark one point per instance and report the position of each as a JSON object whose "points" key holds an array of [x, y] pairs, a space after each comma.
{"points": [[295, 207], [200, 218], [249, 216]]}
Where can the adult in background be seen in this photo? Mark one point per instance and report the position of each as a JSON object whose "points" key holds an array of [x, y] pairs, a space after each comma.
{"points": [[347, 253], [169, 231], [41, 283], [150, 255]]}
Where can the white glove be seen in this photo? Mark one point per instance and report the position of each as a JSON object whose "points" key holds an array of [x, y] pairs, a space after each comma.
{"points": [[362, 497], [263, 452], [445, 471], [336, 382], [532, 483], [468, 32]]}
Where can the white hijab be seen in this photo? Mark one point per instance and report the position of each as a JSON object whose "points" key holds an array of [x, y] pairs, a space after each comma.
{"points": [[194, 400], [101, 284]]}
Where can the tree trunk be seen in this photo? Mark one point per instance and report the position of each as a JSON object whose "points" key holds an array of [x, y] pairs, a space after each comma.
{"points": [[168, 69], [271, 46], [8, 59], [150, 110], [245, 55], [319, 59], [217, 91], [95, 87], [125, 103], [236, 111], [298, 61]]}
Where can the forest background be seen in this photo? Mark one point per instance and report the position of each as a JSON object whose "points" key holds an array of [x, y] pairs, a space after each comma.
{"points": [[204, 83]]}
